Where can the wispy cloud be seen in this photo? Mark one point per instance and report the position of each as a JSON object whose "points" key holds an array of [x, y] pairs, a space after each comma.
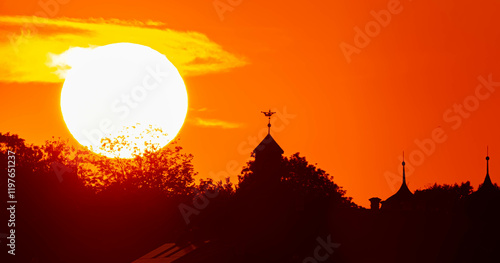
{"points": [[198, 109], [215, 123], [28, 45]]}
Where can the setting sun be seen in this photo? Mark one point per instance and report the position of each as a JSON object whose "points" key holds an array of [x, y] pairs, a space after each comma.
{"points": [[121, 90], [250, 131]]}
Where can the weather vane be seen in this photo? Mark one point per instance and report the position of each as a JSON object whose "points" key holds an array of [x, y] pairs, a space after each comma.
{"points": [[268, 114]]}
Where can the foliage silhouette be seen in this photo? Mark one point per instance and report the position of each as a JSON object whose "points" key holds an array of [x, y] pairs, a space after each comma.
{"points": [[117, 210], [72, 201], [442, 197], [302, 179], [167, 169]]}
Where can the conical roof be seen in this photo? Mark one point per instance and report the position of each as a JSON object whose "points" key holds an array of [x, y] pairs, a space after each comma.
{"points": [[487, 184], [268, 145], [403, 193]]}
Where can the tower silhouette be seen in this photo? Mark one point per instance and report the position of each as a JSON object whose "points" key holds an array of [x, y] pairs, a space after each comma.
{"points": [[487, 185], [403, 199], [268, 156]]}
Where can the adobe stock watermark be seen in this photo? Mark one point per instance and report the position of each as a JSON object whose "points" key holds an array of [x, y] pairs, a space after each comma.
{"points": [[454, 117], [59, 170], [372, 29], [11, 202], [323, 251], [245, 147], [124, 104], [200, 202], [49, 9], [222, 6]]}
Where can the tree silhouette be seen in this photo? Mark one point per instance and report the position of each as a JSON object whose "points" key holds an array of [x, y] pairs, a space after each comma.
{"points": [[303, 179], [167, 169], [29, 157], [70, 195], [442, 197]]}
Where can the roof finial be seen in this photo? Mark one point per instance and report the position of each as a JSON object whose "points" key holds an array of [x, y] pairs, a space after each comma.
{"points": [[404, 176], [487, 161], [268, 114]]}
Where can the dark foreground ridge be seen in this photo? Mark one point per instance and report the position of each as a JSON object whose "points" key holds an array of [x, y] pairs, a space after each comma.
{"points": [[283, 210]]}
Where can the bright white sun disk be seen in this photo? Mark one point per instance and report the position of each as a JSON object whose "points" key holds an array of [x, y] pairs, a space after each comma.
{"points": [[121, 90]]}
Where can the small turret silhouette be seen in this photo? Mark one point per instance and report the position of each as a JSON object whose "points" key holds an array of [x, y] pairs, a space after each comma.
{"points": [[403, 199], [487, 185]]}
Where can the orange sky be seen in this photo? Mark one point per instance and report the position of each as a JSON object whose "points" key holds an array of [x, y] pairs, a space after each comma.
{"points": [[353, 119]]}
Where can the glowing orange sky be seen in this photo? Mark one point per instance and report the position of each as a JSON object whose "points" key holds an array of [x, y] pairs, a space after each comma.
{"points": [[353, 119]]}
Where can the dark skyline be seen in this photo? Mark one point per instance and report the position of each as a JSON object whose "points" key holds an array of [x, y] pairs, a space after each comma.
{"points": [[249, 131], [424, 84]]}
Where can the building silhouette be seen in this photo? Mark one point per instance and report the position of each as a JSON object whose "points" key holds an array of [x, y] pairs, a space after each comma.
{"points": [[487, 196], [268, 155], [261, 203], [403, 199], [266, 222], [487, 186]]}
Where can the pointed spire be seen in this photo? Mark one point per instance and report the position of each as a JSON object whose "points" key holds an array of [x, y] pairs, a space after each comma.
{"points": [[268, 144], [404, 176], [404, 186], [487, 162], [403, 197], [487, 180]]}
